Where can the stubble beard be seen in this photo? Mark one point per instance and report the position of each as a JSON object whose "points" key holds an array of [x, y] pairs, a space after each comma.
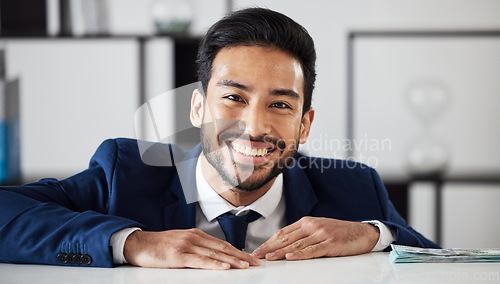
{"points": [[232, 173]]}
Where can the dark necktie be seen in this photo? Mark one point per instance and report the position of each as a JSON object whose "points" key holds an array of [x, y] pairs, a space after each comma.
{"points": [[235, 227]]}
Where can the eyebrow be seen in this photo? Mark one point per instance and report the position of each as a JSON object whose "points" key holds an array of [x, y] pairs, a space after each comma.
{"points": [[280, 92], [285, 92], [234, 84]]}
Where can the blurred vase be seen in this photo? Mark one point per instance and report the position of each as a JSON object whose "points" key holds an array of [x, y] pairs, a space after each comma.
{"points": [[172, 16], [428, 155]]}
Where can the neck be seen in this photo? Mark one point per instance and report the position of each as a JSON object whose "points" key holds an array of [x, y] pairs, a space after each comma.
{"points": [[231, 194]]}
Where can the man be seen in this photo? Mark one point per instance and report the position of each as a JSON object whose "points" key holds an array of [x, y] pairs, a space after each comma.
{"points": [[245, 183]]}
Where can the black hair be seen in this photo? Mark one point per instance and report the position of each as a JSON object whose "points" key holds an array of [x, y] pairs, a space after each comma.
{"points": [[262, 27]]}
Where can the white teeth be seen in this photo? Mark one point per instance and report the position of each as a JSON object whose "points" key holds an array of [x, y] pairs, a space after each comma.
{"points": [[249, 151]]}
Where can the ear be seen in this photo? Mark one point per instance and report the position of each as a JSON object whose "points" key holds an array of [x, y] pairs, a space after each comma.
{"points": [[197, 108], [305, 128]]}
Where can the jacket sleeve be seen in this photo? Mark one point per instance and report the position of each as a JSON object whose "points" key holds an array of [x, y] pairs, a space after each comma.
{"points": [[62, 222], [405, 235]]}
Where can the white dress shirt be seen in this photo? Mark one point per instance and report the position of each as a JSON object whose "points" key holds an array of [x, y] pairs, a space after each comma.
{"points": [[271, 206]]}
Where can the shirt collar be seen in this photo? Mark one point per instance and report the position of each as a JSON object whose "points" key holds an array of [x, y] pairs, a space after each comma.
{"points": [[213, 205]]}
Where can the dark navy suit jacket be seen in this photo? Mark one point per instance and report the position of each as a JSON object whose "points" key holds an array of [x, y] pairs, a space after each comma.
{"points": [[54, 222]]}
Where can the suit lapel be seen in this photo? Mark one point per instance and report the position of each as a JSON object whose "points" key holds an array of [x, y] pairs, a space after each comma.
{"points": [[181, 214], [299, 194]]}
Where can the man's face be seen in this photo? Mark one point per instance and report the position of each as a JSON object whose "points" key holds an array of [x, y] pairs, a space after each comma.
{"points": [[252, 118]]}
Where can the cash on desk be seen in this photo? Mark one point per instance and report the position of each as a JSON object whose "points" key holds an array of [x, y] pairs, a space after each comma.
{"points": [[407, 254]]}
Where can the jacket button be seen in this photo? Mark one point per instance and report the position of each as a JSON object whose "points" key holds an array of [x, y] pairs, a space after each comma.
{"points": [[77, 258], [70, 258], [86, 259], [62, 258]]}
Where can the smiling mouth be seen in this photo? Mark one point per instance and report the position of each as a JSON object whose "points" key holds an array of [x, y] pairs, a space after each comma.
{"points": [[249, 151]]}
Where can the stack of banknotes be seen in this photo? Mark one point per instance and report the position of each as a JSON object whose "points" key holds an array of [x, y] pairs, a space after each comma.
{"points": [[406, 254]]}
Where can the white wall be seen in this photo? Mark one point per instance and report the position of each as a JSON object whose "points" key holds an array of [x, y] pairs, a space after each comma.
{"points": [[465, 69], [74, 94]]}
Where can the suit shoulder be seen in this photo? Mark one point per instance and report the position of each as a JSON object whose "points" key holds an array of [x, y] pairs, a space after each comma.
{"points": [[132, 151], [112, 150], [110, 147]]}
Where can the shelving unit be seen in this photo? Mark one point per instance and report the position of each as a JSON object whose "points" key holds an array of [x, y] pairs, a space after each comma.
{"points": [[181, 63]]}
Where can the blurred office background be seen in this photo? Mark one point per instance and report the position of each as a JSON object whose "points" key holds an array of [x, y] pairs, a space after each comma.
{"points": [[411, 88]]}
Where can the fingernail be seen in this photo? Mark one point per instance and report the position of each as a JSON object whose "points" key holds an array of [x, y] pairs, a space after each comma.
{"points": [[256, 252], [270, 255], [255, 260], [290, 255], [244, 264], [225, 265]]}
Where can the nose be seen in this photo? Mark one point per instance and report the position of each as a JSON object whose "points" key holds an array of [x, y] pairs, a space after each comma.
{"points": [[255, 122]]}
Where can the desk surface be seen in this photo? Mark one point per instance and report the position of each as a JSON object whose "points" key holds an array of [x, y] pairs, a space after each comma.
{"points": [[368, 268]]}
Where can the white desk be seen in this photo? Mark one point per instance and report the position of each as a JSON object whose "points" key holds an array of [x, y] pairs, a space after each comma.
{"points": [[368, 268]]}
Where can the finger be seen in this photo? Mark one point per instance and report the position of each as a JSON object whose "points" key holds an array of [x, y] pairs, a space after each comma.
{"points": [[215, 246], [309, 252], [190, 260], [280, 239], [222, 257], [293, 247]]}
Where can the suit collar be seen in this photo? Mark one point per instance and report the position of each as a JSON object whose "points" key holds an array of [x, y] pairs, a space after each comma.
{"points": [[181, 214], [185, 163], [299, 194]]}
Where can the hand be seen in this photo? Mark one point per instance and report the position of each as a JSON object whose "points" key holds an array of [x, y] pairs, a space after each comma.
{"points": [[312, 237], [184, 249]]}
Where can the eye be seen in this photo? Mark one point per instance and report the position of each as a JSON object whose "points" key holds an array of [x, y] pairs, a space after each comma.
{"points": [[281, 105], [235, 98]]}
